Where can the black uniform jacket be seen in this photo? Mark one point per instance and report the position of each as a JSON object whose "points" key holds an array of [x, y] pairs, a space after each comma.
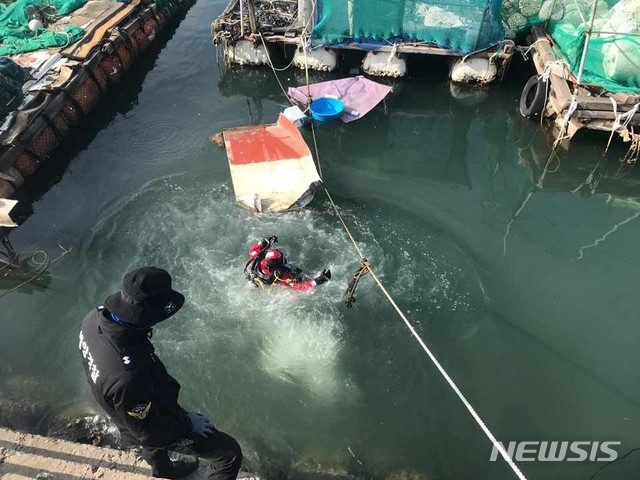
{"points": [[130, 382]]}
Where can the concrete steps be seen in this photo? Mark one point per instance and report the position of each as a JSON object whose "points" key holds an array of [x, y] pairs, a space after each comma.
{"points": [[25, 456]]}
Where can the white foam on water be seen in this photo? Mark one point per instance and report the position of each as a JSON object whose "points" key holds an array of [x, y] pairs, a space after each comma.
{"points": [[199, 235]]}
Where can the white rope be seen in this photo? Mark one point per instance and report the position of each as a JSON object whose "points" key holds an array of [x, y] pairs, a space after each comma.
{"points": [[392, 54], [548, 67], [629, 115], [565, 123], [617, 125], [584, 20], [306, 60], [616, 122], [524, 51], [497, 445], [275, 73]]}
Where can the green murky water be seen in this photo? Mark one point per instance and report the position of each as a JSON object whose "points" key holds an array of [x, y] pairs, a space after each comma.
{"points": [[527, 295]]}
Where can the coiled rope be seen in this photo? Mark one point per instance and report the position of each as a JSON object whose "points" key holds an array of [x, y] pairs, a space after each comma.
{"points": [[39, 258], [367, 266]]}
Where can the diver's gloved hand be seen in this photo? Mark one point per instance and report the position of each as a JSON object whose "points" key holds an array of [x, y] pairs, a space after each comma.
{"points": [[324, 277], [200, 424], [272, 239]]}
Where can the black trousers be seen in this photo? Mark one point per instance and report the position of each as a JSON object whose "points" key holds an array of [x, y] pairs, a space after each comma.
{"points": [[221, 449]]}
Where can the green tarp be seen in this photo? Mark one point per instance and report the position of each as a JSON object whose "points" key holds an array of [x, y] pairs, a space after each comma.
{"points": [[463, 25], [613, 56], [15, 35]]}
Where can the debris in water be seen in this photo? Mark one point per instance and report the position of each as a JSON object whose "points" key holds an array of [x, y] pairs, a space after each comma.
{"points": [[359, 95], [271, 166], [6, 206], [217, 139]]}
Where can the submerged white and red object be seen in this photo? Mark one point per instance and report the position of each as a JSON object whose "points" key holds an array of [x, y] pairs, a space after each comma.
{"points": [[271, 166], [6, 205]]}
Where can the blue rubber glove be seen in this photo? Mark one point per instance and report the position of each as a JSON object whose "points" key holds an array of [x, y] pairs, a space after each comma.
{"points": [[200, 424]]}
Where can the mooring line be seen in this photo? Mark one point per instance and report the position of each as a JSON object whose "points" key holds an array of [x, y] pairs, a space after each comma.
{"points": [[496, 445]]}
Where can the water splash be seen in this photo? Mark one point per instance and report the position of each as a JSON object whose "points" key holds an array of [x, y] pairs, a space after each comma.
{"points": [[197, 234]]}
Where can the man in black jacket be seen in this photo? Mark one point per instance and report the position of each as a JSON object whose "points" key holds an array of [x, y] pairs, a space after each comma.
{"points": [[134, 388]]}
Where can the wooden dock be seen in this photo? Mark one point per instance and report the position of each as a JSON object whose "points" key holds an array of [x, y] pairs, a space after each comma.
{"points": [[500, 53], [572, 106], [116, 34], [299, 34]]}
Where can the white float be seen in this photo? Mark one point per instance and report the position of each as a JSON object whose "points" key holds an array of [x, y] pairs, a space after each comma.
{"points": [[384, 64], [244, 52], [319, 59], [474, 70]]}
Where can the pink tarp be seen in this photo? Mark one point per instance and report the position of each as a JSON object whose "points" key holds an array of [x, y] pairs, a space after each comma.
{"points": [[357, 93]]}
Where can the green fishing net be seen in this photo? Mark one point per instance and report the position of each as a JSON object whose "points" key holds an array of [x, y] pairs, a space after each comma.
{"points": [[463, 25], [613, 55], [15, 35]]}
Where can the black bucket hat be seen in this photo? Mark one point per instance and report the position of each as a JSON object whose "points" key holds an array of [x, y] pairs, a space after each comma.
{"points": [[146, 298]]}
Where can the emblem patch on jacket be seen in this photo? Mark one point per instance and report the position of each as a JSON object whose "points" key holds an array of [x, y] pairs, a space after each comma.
{"points": [[140, 411], [170, 307]]}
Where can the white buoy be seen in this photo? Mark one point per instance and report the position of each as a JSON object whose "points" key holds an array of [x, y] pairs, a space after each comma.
{"points": [[384, 64], [35, 25], [320, 59], [244, 52], [474, 70]]}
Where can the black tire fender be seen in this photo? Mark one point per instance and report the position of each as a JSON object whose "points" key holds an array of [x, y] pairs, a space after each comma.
{"points": [[533, 97]]}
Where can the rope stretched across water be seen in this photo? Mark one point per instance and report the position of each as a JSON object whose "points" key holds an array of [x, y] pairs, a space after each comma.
{"points": [[496, 445]]}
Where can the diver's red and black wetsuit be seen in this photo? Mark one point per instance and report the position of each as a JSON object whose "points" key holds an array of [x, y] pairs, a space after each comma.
{"points": [[263, 274]]}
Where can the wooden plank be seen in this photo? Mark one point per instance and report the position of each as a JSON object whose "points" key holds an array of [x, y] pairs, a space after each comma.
{"points": [[603, 103], [544, 56], [602, 115], [574, 125], [86, 48], [559, 88], [96, 22], [252, 17], [542, 46], [401, 47]]}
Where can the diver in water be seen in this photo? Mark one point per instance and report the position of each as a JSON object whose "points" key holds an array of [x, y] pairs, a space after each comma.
{"points": [[268, 266]]}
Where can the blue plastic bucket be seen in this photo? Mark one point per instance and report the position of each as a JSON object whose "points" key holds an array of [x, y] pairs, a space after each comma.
{"points": [[325, 109]]}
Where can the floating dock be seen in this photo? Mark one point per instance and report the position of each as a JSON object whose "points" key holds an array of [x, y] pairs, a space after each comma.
{"points": [[248, 28], [66, 83], [572, 105]]}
